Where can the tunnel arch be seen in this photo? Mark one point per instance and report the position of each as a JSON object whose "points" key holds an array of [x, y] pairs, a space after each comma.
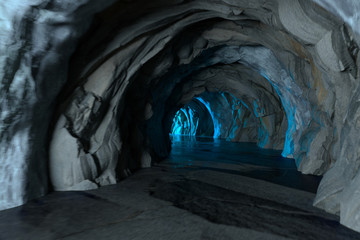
{"points": [[233, 97], [193, 119], [209, 49], [115, 64], [185, 122]]}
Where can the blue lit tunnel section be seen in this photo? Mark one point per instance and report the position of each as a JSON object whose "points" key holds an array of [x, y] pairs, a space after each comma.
{"points": [[217, 115], [216, 123], [222, 115], [185, 122], [193, 119], [210, 114]]}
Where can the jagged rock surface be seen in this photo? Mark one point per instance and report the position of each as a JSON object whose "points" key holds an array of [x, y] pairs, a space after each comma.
{"points": [[118, 91]]}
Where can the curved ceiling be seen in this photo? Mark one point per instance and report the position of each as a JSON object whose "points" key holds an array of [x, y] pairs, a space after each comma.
{"points": [[291, 63]]}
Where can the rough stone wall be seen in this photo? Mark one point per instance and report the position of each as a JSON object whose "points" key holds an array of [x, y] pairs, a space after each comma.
{"points": [[36, 41], [110, 116], [206, 125]]}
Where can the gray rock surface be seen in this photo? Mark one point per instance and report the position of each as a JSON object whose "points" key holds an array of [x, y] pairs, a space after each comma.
{"points": [[200, 202], [36, 41], [108, 109]]}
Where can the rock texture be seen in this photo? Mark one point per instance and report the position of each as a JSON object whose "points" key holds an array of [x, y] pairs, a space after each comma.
{"points": [[204, 199], [36, 41], [135, 63], [231, 94], [198, 118]]}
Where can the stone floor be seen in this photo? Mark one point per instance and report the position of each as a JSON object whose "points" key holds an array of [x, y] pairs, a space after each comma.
{"points": [[205, 190]]}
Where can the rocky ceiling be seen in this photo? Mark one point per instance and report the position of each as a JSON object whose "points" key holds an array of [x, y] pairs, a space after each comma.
{"points": [[89, 88]]}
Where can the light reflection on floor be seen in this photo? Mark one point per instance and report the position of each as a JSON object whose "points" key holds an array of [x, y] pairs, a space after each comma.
{"points": [[207, 189], [194, 153]]}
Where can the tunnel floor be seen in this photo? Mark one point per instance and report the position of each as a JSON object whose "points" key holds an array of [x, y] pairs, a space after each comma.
{"points": [[206, 189], [245, 159]]}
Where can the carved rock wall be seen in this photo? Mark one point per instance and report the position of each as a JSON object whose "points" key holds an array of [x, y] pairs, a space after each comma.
{"points": [[94, 118]]}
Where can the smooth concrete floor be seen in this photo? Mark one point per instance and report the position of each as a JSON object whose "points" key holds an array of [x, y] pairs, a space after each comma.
{"points": [[207, 189]]}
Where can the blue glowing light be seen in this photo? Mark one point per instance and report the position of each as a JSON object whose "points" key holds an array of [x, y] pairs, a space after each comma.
{"points": [[217, 124], [185, 122], [263, 135], [290, 114], [263, 131]]}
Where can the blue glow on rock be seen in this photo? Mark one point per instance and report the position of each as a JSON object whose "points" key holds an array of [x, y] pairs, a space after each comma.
{"points": [[256, 109], [244, 104], [290, 114], [177, 124], [194, 122], [263, 135], [185, 122], [217, 125], [263, 132], [236, 106]]}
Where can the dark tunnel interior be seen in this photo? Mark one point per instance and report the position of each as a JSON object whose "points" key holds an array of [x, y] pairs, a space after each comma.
{"points": [[242, 117]]}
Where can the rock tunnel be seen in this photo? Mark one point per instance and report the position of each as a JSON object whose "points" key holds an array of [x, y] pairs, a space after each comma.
{"points": [[93, 90]]}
